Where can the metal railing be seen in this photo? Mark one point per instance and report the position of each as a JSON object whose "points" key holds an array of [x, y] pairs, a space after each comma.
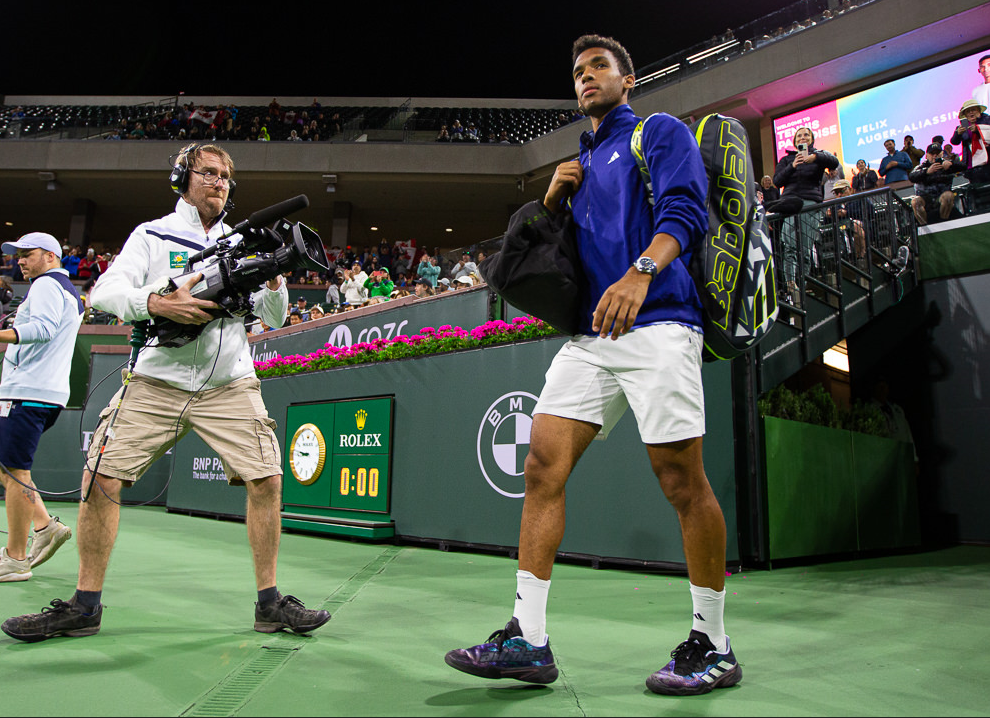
{"points": [[839, 264]]}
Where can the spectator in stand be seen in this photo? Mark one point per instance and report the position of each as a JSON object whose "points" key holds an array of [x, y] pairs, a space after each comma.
{"points": [[463, 268], [70, 262], [800, 173], [770, 191], [294, 136], [830, 178], [865, 178], [301, 306], [896, 165], [385, 255], [86, 264], [456, 131], [137, 133], [9, 265], [503, 138], [428, 269], [295, 317], [973, 133], [333, 289], [443, 135], [933, 186], [353, 287], [948, 154], [422, 288], [913, 152], [850, 218], [443, 285], [471, 133], [274, 109], [263, 135], [379, 286]]}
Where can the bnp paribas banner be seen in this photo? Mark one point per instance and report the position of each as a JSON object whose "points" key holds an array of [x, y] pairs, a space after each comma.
{"points": [[466, 308]]}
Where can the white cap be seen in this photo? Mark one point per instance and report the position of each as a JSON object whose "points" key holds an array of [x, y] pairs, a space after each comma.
{"points": [[34, 240]]}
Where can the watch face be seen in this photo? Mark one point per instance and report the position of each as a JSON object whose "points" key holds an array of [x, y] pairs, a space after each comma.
{"points": [[308, 451], [646, 266]]}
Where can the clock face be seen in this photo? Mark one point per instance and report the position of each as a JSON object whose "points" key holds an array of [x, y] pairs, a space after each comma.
{"points": [[307, 453]]}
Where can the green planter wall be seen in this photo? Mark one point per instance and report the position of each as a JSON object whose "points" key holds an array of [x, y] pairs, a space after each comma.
{"points": [[834, 491]]}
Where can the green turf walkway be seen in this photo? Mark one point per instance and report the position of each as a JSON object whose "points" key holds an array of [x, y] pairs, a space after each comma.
{"points": [[891, 636]]}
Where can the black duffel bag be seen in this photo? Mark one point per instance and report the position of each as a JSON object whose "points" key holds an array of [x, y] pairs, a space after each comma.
{"points": [[538, 269]]}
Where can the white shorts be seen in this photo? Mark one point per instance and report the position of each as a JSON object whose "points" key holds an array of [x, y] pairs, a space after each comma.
{"points": [[655, 369]]}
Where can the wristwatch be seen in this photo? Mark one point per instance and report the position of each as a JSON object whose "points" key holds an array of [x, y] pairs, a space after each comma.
{"points": [[646, 266]]}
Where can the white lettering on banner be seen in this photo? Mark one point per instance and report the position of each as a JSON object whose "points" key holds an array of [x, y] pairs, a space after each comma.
{"points": [[262, 356], [360, 440], [341, 336], [208, 468]]}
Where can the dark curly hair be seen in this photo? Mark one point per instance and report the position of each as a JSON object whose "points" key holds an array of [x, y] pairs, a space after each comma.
{"points": [[620, 53]]}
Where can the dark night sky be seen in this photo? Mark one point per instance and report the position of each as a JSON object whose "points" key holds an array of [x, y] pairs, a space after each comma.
{"points": [[420, 49]]}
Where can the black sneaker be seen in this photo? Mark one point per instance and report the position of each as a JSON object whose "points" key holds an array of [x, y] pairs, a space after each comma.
{"points": [[506, 654], [64, 618], [696, 668], [287, 612]]}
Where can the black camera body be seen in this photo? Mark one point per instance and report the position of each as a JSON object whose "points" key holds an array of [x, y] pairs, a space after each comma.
{"points": [[240, 269]]}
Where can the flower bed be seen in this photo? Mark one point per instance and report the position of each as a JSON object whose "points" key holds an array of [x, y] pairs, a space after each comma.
{"points": [[428, 341]]}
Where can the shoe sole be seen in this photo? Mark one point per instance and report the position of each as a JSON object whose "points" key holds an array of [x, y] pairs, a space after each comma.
{"points": [[726, 680], [11, 577], [275, 627], [35, 637], [51, 548], [543, 675]]}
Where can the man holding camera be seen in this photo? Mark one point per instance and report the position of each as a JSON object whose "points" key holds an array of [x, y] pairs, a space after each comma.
{"points": [[933, 185], [208, 385], [973, 133]]}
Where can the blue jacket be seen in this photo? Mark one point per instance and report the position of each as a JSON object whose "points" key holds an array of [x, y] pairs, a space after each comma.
{"points": [[899, 173], [616, 224]]}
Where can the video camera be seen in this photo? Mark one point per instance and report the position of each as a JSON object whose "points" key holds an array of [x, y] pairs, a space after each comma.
{"points": [[240, 269]]}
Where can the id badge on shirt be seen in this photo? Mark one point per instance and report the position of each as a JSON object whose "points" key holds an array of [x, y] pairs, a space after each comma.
{"points": [[5, 407]]}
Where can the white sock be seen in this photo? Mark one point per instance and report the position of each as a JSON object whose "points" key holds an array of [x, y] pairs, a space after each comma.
{"points": [[531, 607], [708, 615]]}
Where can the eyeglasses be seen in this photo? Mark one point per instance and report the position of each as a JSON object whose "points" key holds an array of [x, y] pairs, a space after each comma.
{"points": [[210, 179]]}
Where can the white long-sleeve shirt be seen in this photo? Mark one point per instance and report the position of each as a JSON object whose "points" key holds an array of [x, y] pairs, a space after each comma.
{"points": [[158, 250]]}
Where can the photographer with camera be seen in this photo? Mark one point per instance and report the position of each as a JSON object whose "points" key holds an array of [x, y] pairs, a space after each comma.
{"points": [[933, 185], [208, 385], [973, 133], [379, 286]]}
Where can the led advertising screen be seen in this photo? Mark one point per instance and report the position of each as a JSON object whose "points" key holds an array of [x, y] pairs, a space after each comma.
{"points": [[922, 105]]}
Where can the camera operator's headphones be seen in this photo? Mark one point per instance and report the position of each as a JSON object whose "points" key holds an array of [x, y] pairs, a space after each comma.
{"points": [[178, 178]]}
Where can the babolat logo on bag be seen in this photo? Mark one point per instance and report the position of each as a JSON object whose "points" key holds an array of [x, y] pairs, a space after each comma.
{"points": [[733, 271]]}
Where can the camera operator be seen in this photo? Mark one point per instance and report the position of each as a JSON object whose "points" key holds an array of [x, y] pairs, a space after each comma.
{"points": [[208, 385], [933, 185]]}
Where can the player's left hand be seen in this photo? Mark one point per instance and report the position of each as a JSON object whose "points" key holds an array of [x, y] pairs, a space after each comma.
{"points": [[619, 305]]}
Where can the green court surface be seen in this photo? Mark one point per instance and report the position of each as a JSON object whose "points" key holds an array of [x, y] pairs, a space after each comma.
{"points": [[887, 636]]}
